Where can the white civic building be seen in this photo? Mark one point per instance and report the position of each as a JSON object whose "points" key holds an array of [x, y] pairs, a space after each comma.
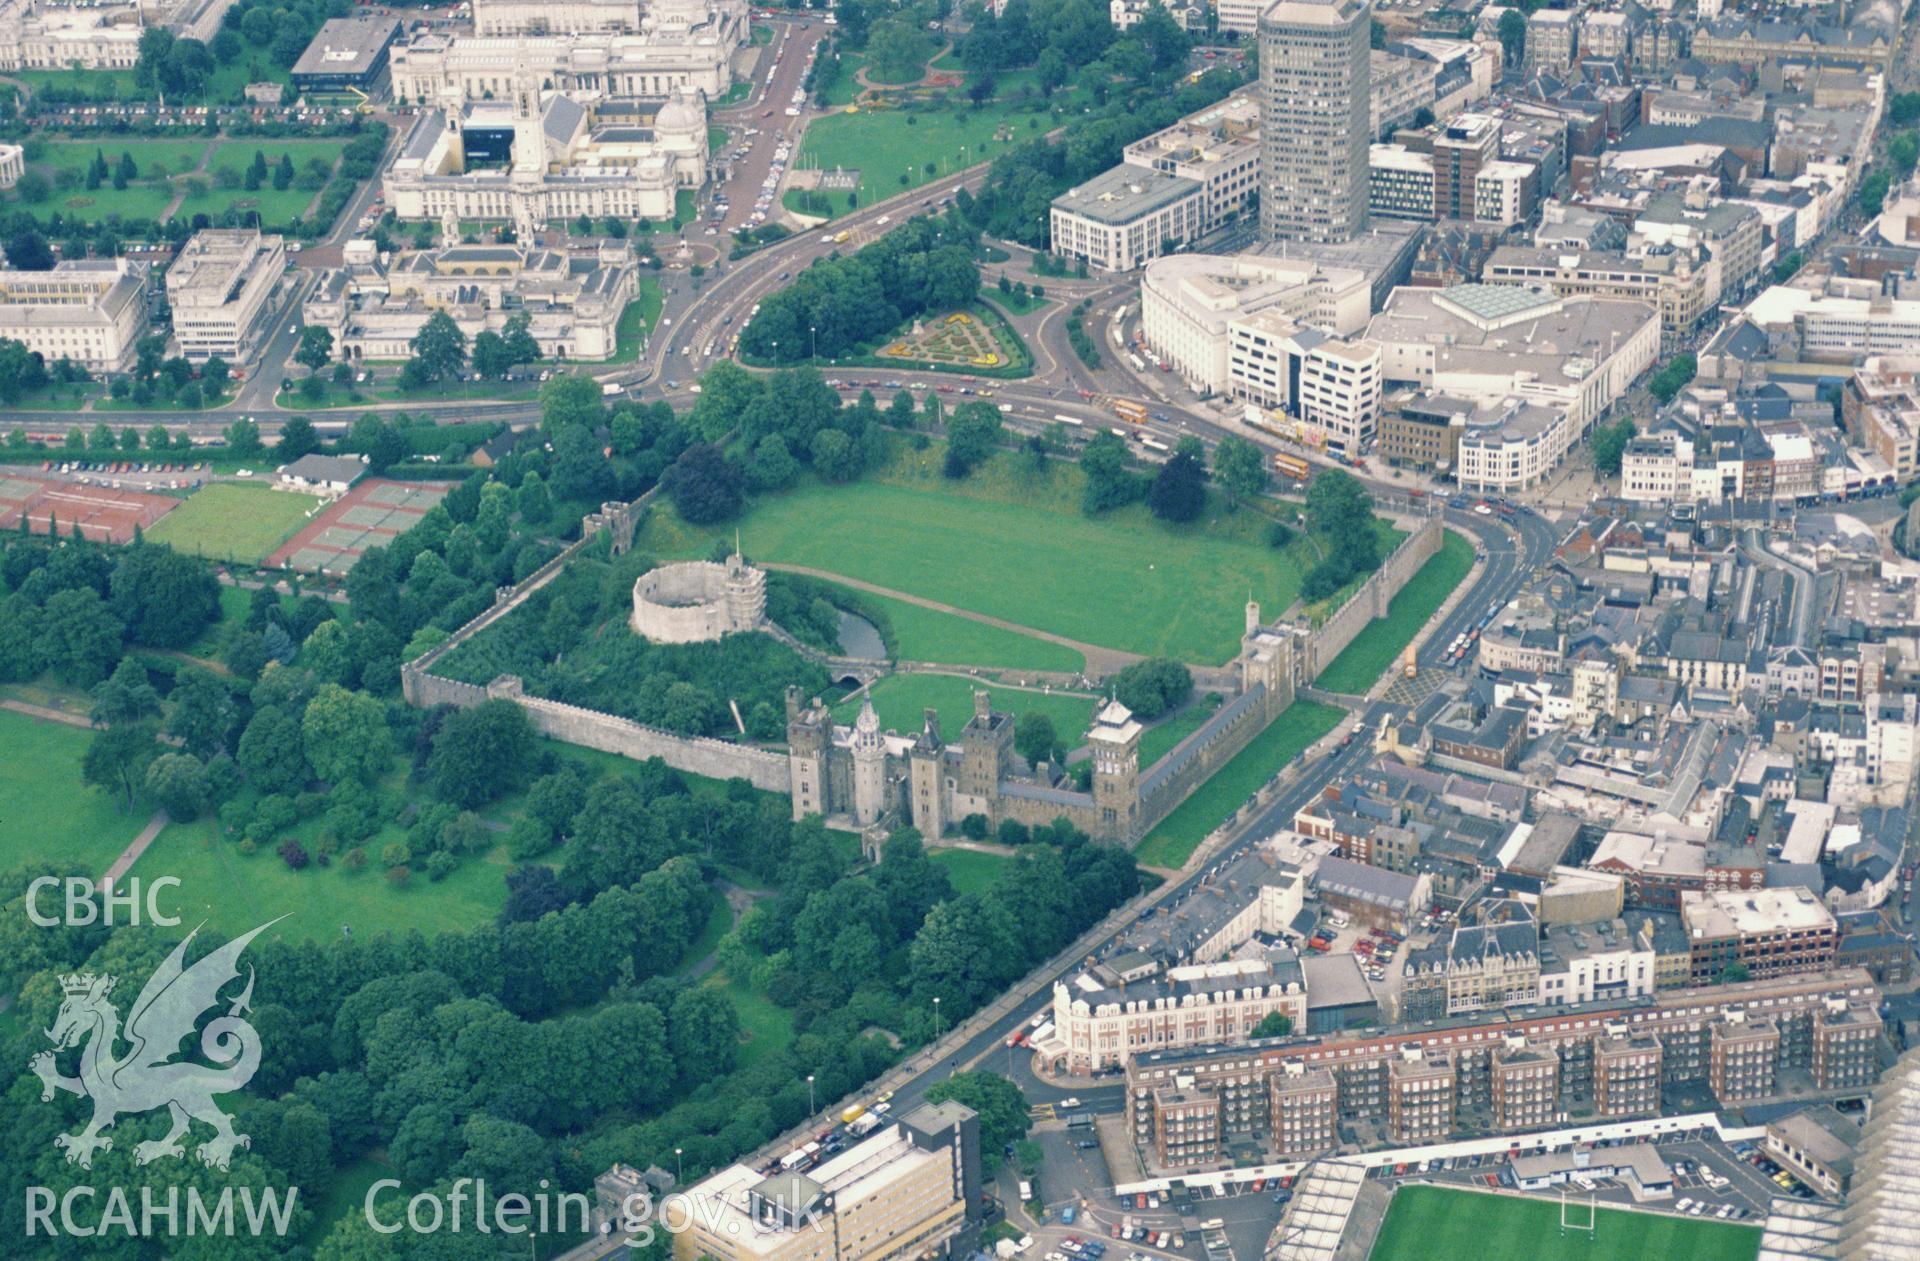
{"points": [[538, 158], [37, 36], [680, 45]]}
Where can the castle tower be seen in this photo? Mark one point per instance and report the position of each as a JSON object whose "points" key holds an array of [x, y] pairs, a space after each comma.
{"points": [[1253, 616], [807, 736], [869, 766], [1115, 740], [927, 781], [746, 594], [987, 748], [1267, 660]]}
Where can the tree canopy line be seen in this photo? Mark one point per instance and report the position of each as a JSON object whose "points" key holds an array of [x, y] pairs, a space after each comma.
{"points": [[841, 304]]}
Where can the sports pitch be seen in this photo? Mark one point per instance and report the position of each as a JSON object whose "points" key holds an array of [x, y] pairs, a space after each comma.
{"points": [[1425, 1223]]}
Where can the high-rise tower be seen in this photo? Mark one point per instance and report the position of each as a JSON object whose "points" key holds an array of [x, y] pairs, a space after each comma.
{"points": [[1315, 119]]}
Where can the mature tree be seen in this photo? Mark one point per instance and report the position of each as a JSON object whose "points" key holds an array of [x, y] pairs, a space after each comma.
{"points": [[1240, 467], [178, 781], [440, 348], [1034, 737], [1513, 36], [316, 348], [1152, 687], [272, 752], [1672, 378], [297, 438], [973, 431], [117, 759], [704, 485], [1179, 490], [705, 1034], [346, 735], [203, 712], [772, 466], [490, 357], [481, 753], [125, 696], [27, 250], [1609, 443], [571, 398], [378, 440], [1105, 461], [164, 599], [1902, 151], [243, 437], [1873, 191], [1275, 1024], [80, 638], [519, 340], [1002, 1109]]}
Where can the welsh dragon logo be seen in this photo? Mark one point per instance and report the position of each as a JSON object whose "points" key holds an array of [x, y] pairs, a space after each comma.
{"points": [[163, 1016]]}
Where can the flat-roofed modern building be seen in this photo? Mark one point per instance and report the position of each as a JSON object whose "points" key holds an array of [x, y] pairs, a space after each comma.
{"points": [[1193, 306], [905, 1191], [1315, 84], [90, 311], [347, 54], [218, 288], [1765, 932], [1217, 147], [1126, 217]]}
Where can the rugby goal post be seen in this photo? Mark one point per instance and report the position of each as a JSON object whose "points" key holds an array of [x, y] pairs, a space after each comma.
{"points": [[1579, 1212]]}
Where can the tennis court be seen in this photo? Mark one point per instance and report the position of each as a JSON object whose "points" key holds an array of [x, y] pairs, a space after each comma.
{"points": [[102, 513], [372, 514]]}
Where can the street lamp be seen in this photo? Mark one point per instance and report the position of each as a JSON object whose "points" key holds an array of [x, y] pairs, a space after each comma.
{"points": [[815, 333], [679, 1171], [936, 1019], [810, 1108]]}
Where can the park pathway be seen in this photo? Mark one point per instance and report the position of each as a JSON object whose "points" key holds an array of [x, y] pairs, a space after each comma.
{"points": [[47, 714], [131, 854], [1100, 661]]}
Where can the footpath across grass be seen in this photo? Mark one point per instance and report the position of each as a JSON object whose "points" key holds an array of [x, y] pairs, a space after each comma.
{"points": [[1383, 639], [1012, 543], [1180, 833], [230, 522], [1425, 1223], [925, 634]]}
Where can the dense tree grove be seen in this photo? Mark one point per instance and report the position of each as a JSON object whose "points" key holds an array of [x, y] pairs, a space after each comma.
{"points": [[552, 644], [1341, 513], [838, 305]]}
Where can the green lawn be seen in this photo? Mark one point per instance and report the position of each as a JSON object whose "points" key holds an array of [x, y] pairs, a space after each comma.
{"points": [[228, 521], [902, 699], [971, 870], [234, 892], [1158, 740], [1015, 303], [276, 206], [157, 162], [764, 1027], [223, 85], [46, 816], [1303, 722], [1432, 1222], [1013, 544], [884, 144], [636, 318], [925, 634], [1373, 650]]}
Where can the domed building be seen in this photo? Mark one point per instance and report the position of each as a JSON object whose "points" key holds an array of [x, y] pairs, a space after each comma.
{"points": [[541, 156]]}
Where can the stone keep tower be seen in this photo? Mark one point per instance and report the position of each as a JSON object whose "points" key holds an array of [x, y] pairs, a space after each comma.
{"points": [[1267, 658], [809, 729], [746, 592], [926, 777], [1115, 740], [869, 766]]}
